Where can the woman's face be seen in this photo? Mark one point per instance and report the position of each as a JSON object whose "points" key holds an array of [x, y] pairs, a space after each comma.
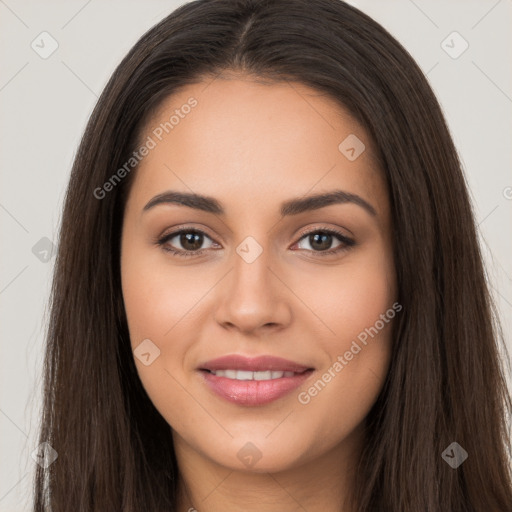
{"points": [[263, 271]]}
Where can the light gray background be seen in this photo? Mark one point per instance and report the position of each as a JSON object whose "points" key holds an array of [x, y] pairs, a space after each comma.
{"points": [[45, 104]]}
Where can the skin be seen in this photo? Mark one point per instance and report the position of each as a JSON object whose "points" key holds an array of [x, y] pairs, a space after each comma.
{"points": [[252, 146]]}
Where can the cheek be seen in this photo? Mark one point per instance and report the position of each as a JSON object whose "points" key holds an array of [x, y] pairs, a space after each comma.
{"points": [[156, 300], [350, 297], [157, 294], [356, 303], [163, 303]]}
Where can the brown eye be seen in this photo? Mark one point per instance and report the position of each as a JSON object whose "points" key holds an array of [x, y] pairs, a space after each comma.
{"points": [[191, 241], [321, 241], [186, 242]]}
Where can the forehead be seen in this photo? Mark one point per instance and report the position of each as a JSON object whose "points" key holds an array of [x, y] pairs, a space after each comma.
{"points": [[260, 142]]}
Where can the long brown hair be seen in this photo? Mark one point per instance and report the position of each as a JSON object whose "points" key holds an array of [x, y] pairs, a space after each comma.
{"points": [[445, 382]]}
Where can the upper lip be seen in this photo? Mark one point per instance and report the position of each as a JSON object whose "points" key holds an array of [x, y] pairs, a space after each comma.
{"points": [[253, 364]]}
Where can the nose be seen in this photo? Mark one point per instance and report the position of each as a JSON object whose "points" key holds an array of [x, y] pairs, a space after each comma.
{"points": [[253, 299]]}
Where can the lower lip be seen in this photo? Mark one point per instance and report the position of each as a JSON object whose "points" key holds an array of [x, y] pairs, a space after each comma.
{"points": [[253, 392]]}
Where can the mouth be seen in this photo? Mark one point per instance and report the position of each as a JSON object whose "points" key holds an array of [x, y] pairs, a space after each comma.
{"points": [[253, 381]]}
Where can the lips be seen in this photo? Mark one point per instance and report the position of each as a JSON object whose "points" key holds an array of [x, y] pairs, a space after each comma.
{"points": [[253, 381]]}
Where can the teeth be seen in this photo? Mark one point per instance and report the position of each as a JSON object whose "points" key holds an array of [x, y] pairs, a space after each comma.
{"points": [[246, 375], [243, 375], [264, 375]]}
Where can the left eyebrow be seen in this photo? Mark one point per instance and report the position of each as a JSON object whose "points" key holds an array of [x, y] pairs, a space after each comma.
{"points": [[299, 205], [290, 207]]}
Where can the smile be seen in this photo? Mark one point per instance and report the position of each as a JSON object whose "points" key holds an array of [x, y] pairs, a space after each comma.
{"points": [[246, 375]]}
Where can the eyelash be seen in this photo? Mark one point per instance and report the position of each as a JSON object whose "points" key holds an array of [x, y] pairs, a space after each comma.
{"points": [[346, 243]]}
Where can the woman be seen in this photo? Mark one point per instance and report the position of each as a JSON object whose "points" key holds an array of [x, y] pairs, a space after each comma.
{"points": [[269, 293]]}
